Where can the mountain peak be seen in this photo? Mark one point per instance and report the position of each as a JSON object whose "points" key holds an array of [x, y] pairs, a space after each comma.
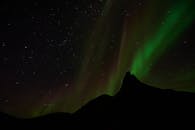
{"points": [[130, 78], [129, 83]]}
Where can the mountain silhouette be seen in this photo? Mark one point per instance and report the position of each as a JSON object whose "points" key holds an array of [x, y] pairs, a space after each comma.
{"points": [[135, 101]]}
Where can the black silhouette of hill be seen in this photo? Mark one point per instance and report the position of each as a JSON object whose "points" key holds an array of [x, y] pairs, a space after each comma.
{"points": [[135, 102]]}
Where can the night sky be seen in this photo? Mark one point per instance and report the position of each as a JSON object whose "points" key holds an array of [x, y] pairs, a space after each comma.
{"points": [[56, 56]]}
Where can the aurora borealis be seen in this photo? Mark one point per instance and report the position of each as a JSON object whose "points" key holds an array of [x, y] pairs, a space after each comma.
{"points": [[57, 56], [156, 45]]}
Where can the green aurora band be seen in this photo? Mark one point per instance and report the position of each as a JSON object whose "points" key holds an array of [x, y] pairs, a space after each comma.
{"points": [[175, 24]]}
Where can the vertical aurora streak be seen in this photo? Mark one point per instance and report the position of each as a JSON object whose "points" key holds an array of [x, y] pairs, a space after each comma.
{"points": [[175, 24]]}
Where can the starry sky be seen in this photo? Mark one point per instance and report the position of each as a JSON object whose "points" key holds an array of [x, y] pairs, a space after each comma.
{"points": [[55, 56]]}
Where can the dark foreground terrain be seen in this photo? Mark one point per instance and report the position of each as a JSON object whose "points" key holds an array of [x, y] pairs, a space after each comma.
{"points": [[134, 104]]}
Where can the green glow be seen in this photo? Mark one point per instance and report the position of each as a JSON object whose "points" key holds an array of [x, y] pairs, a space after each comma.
{"points": [[176, 22], [111, 45]]}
